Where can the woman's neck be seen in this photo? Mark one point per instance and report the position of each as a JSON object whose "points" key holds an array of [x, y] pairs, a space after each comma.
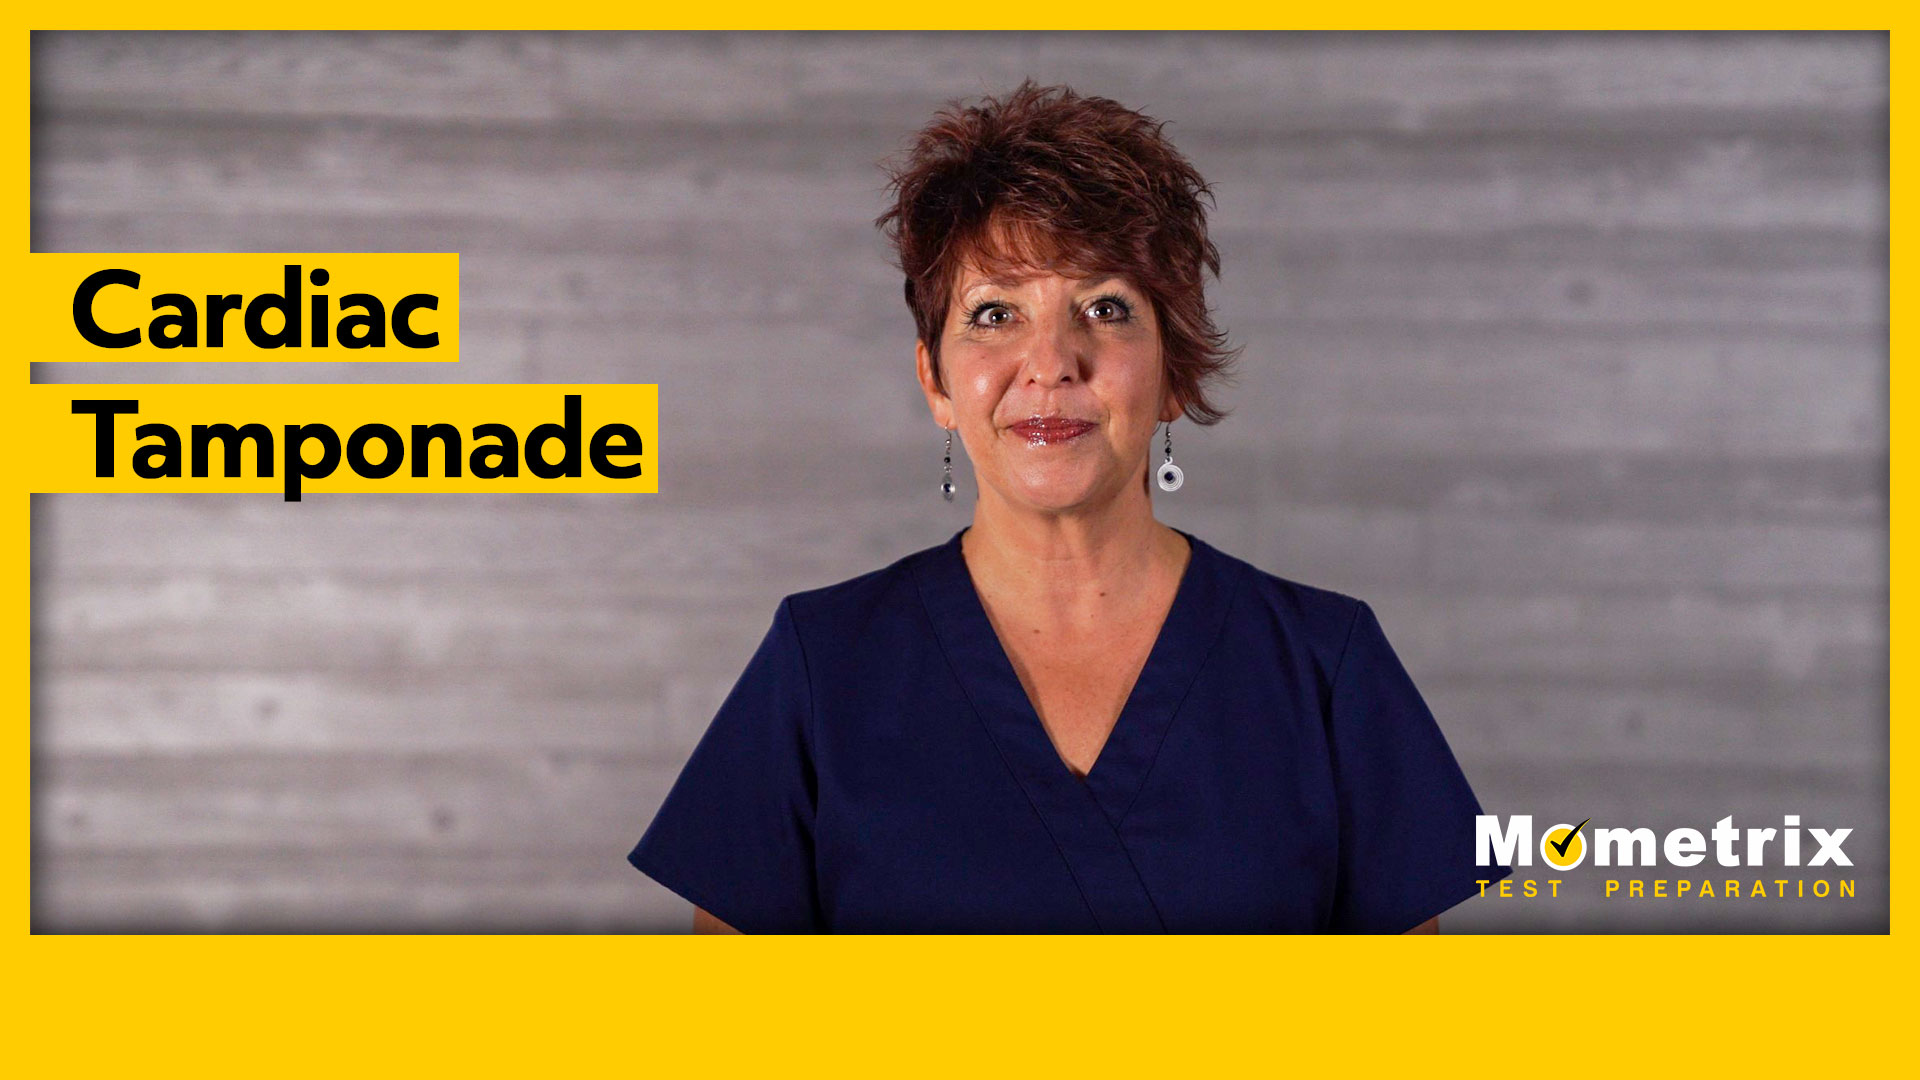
{"points": [[1079, 558]]}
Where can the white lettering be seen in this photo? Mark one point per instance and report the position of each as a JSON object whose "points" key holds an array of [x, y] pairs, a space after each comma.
{"points": [[1515, 848]]}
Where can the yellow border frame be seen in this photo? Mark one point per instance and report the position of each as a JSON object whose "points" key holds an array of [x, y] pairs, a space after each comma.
{"points": [[553, 1005]]}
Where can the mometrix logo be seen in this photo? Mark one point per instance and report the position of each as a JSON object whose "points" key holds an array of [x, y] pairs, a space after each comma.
{"points": [[1566, 846], [1563, 848]]}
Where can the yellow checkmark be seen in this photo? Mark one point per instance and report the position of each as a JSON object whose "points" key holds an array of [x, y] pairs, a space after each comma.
{"points": [[1564, 846]]}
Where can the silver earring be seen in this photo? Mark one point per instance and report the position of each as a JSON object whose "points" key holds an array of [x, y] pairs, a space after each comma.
{"points": [[946, 469], [1170, 475]]}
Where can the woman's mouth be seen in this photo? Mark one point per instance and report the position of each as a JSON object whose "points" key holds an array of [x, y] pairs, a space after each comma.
{"points": [[1048, 430]]}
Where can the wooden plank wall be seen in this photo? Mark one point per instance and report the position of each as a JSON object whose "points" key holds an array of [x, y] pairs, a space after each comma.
{"points": [[1566, 352]]}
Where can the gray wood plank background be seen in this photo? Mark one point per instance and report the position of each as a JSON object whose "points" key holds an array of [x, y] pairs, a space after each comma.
{"points": [[1567, 352]]}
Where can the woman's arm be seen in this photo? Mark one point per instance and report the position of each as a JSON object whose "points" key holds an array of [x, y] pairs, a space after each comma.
{"points": [[704, 923]]}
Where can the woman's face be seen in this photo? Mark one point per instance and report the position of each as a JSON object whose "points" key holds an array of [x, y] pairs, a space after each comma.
{"points": [[1055, 384]]}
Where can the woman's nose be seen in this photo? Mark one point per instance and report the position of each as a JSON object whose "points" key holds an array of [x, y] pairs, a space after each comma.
{"points": [[1054, 359]]}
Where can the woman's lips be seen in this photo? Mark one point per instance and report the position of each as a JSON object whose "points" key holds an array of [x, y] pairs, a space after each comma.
{"points": [[1047, 430]]}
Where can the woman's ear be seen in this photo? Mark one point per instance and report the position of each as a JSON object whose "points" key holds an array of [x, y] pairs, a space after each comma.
{"points": [[937, 400], [1171, 409]]}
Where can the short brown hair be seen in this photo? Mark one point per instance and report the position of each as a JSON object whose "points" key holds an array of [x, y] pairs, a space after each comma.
{"points": [[1068, 180]]}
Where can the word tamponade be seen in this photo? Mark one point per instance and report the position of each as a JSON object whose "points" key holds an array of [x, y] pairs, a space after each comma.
{"points": [[299, 452]]}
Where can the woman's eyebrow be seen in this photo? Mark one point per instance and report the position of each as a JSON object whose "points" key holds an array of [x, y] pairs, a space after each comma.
{"points": [[1014, 280]]}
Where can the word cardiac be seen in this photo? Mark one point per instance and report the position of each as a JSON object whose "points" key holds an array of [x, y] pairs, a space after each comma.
{"points": [[180, 321]]}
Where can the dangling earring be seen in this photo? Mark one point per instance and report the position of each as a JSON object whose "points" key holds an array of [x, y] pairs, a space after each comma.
{"points": [[946, 469], [1170, 475]]}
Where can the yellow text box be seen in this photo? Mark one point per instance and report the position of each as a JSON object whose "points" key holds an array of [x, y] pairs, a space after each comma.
{"points": [[301, 440], [286, 306]]}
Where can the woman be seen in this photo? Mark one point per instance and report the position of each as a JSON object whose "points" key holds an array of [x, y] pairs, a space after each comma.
{"points": [[1069, 717]]}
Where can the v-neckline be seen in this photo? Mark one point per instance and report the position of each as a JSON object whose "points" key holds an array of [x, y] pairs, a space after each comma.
{"points": [[984, 667]]}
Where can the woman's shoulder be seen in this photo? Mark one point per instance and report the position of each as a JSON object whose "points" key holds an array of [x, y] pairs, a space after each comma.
{"points": [[1319, 612], [845, 605]]}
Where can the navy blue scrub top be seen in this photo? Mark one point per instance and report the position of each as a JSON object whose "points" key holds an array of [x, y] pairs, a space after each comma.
{"points": [[879, 768]]}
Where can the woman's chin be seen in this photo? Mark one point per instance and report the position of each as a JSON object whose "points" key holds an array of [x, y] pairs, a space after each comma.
{"points": [[1059, 491]]}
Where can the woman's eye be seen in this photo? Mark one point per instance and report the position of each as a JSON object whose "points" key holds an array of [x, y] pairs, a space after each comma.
{"points": [[1107, 309], [991, 315]]}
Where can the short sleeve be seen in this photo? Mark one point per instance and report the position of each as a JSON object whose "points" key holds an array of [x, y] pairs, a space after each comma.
{"points": [[1406, 812], [735, 834]]}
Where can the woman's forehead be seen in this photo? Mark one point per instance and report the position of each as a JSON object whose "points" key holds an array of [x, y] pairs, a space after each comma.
{"points": [[1011, 273], [1008, 253]]}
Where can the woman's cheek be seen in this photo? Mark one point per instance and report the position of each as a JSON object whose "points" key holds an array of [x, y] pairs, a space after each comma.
{"points": [[983, 389]]}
